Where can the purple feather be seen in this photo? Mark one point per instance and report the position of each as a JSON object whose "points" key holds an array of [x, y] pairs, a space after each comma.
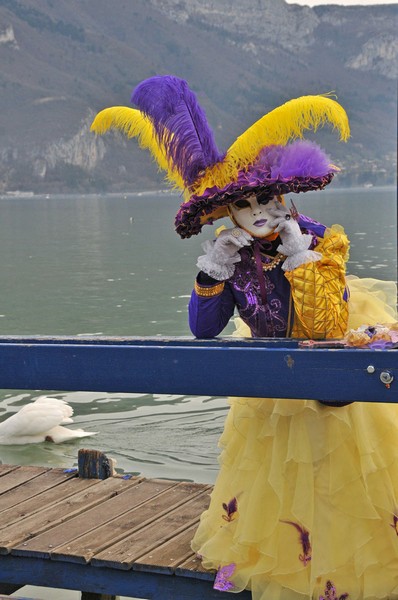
{"points": [[180, 123], [299, 159], [305, 557], [230, 508]]}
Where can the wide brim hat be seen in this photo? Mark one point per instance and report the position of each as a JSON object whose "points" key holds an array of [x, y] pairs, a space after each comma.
{"points": [[270, 158]]}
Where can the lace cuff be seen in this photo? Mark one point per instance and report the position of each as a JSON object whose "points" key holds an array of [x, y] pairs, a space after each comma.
{"points": [[216, 263]]}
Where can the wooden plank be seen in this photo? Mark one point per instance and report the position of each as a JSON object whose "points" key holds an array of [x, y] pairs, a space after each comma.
{"points": [[192, 567], [155, 366], [38, 485], [4, 469], [123, 554], [84, 548], [41, 502], [19, 476], [96, 492], [166, 557], [70, 532]]}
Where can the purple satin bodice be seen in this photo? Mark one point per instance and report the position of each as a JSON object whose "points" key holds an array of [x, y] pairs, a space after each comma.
{"points": [[265, 320], [208, 316]]}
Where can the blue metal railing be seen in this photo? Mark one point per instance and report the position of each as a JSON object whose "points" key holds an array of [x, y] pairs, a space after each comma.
{"points": [[217, 367]]}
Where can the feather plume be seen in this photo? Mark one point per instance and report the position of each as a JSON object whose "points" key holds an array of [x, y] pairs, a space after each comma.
{"points": [[134, 124], [301, 158], [283, 124], [180, 124]]}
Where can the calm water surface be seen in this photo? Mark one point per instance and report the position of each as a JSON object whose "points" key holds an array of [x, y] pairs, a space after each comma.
{"points": [[112, 265]]}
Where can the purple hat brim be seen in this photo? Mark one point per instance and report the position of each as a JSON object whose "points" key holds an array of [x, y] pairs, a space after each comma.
{"points": [[202, 210]]}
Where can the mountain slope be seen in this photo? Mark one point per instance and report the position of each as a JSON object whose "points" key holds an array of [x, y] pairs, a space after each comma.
{"points": [[63, 60]]}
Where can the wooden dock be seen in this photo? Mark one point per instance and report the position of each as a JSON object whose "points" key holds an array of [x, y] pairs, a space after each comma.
{"points": [[126, 536], [131, 536]]}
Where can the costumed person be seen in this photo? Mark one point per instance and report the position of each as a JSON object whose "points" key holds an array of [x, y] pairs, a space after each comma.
{"points": [[305, 505]]}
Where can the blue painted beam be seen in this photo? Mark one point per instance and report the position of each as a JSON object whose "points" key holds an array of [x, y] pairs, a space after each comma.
{"points": [[138, 584], [219, 367]]}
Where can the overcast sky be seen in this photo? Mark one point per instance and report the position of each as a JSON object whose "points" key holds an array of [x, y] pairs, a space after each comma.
{"points": [[342, 2]]}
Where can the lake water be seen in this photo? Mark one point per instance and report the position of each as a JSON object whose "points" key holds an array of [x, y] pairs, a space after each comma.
{"points": [[113, 265]]}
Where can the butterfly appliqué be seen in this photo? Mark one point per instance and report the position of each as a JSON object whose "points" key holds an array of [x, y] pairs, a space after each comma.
{"points": [[221, 582]]}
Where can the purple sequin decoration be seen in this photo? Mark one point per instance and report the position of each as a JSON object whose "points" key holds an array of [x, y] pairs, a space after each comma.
{"points": [[221, 582], [331, 594]]}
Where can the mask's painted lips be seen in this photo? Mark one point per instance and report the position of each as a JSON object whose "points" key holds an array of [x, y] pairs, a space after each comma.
{"points": [[260, 223]]}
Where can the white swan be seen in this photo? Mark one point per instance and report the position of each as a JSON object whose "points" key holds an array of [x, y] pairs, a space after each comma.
{"points": [[40, 421]]}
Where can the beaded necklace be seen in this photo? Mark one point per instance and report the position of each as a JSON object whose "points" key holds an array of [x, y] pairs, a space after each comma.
{"points": [[272, 262]]}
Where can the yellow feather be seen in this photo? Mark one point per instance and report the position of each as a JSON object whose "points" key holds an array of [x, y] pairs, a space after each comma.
{"points": [[283, 124], [133, 124]]}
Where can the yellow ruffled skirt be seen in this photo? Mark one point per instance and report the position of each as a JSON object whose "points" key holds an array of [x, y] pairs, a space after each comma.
{"points": [[306, 499]]}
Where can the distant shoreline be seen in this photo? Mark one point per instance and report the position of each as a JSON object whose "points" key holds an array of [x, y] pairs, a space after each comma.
{"points": [[23, 195], [30, 194]]}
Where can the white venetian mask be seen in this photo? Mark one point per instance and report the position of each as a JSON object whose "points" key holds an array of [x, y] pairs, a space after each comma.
{"points": [[252, 215]]}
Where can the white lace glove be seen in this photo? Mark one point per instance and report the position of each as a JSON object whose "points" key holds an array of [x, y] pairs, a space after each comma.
{"points": [[294, 243], [222, 254]]}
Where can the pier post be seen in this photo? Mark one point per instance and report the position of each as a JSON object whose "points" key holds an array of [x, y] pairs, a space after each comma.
{"points": [[94, 464]]}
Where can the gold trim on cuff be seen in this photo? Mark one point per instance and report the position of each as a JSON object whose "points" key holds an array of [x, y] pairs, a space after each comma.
{"points": [[209, 292]]}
